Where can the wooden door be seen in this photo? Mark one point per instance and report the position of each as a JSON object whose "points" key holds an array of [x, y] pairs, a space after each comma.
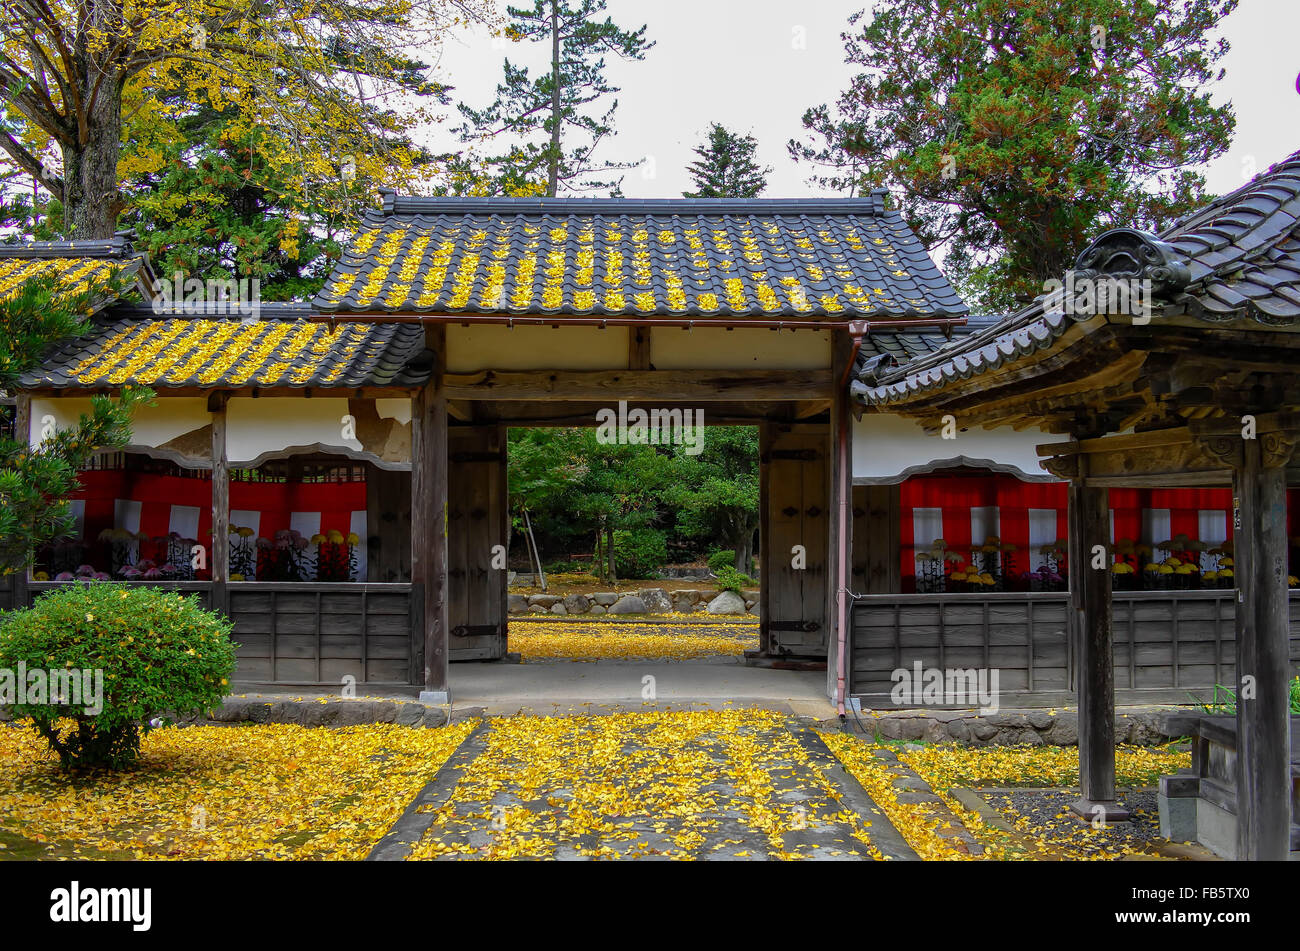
{"points": [[476, 520], [795, 489]]}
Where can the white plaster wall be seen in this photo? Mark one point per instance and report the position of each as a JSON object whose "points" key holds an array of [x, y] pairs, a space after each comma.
{"points": [[257, 426], [398, 409], [498, 347], [886, 446], [150, 425], [715, 348]]}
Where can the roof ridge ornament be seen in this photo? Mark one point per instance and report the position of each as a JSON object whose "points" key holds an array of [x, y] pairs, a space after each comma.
{"points": [[1135, 255]]}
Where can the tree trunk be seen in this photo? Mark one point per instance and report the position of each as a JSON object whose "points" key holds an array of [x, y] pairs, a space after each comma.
{"points": [[553, 160], [609, 544], [90, 196]]}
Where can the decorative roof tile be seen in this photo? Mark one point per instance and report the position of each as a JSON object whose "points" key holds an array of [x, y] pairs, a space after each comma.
{"points": [[700, 258]]}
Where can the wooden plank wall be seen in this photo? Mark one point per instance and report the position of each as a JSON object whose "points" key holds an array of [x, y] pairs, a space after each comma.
{"points": [[298, 633], [388, 524], [1169, 646], [876, 511]]}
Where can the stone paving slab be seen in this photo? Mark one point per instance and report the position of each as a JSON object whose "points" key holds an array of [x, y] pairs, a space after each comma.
{"points": [[807, 805]]}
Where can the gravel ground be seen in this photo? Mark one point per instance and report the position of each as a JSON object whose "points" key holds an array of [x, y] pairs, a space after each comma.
{"points": [[1046, 813]]}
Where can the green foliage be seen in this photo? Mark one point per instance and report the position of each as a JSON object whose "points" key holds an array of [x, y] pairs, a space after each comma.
{"points": [[552, 123], [34, 483], [1223, 702], [158, 652], [1013, 138], [726, 166], [729, 579], [639, 552], [715, 493], [722, 559]]}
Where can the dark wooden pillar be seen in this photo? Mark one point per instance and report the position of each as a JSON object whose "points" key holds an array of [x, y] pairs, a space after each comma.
{"points": [[839, 536], [638, 348], [766, 568], [388, 524], [1090, 612], [429, 524], [23, 434], [220, 505], [476, 592], [1263, 666], [876, 539]]}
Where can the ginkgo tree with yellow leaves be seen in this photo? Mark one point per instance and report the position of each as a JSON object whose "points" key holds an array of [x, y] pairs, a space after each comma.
{"points": [[325, 79]]}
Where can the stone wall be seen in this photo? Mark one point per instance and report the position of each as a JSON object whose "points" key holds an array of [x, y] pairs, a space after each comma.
{"points": [[1008, 727], [645, 601]]}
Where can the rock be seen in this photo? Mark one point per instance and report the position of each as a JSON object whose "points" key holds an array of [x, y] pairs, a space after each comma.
{"points": [[1017, 720], [1064, 732], [518, 604], [559, 608], [545, 600], [604, 598], [983, 729], [727, 602], [959, 730], [681, 605], [628, 604], [750, 595], [596, 609], [690, 594], [749, 604], [656, 600], [1040, 719], [576, 604], [537, 609], [435, 716], [935, 732]]}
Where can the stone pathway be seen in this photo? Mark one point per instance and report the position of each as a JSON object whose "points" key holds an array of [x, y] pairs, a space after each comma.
{"points": [[733, 784]]}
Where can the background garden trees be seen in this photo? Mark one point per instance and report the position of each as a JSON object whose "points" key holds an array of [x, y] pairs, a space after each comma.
{"points": [[547, 127], [1015, 130], [636, 507], [35, 483], [315, 76], [726, 167]]}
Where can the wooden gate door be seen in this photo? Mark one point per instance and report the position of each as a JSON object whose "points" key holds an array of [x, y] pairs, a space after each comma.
{"points": [[794, 484], [476, 524]]}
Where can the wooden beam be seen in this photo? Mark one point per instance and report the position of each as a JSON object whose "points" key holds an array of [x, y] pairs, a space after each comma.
{"points": [[1263, 712], [766, 562], [1090, 613], [839, 535], [429, 524], [539, 413], [610, 386], [220, 505], [460, 410]]}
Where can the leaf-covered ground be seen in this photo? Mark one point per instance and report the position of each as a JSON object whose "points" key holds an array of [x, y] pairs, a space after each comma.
{"points": [[677, 785], [268, 791], [1034, 834], [630, 640]]}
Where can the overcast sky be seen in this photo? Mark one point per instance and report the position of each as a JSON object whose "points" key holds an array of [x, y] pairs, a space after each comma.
{"points": [[756, 65]]}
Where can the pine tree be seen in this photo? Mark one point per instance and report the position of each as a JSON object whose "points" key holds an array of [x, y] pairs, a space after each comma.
{"points": [[553, 123], [1016, 132], [726, 167]]}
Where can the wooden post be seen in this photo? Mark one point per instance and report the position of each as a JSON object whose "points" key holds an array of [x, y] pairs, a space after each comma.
{"points": [[220, 505], [766, 569], [638, 348], [1090, 611], [839, 535], [429, 522], [1263, 714], [23, 434]]}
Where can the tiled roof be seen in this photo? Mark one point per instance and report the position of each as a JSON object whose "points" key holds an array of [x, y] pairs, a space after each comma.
{"points": [[281, 349], [1238, 261], [78, 265], [1244, 249], [706, 258]]}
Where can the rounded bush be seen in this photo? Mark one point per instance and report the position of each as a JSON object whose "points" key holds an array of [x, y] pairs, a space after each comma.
{"points": [[639, 552], [138, 652], [725, 558]]}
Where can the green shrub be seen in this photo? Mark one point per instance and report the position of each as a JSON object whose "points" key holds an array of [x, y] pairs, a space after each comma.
{"points": [[639, 552], [729, 579], [725, 558], [151, 652]]}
